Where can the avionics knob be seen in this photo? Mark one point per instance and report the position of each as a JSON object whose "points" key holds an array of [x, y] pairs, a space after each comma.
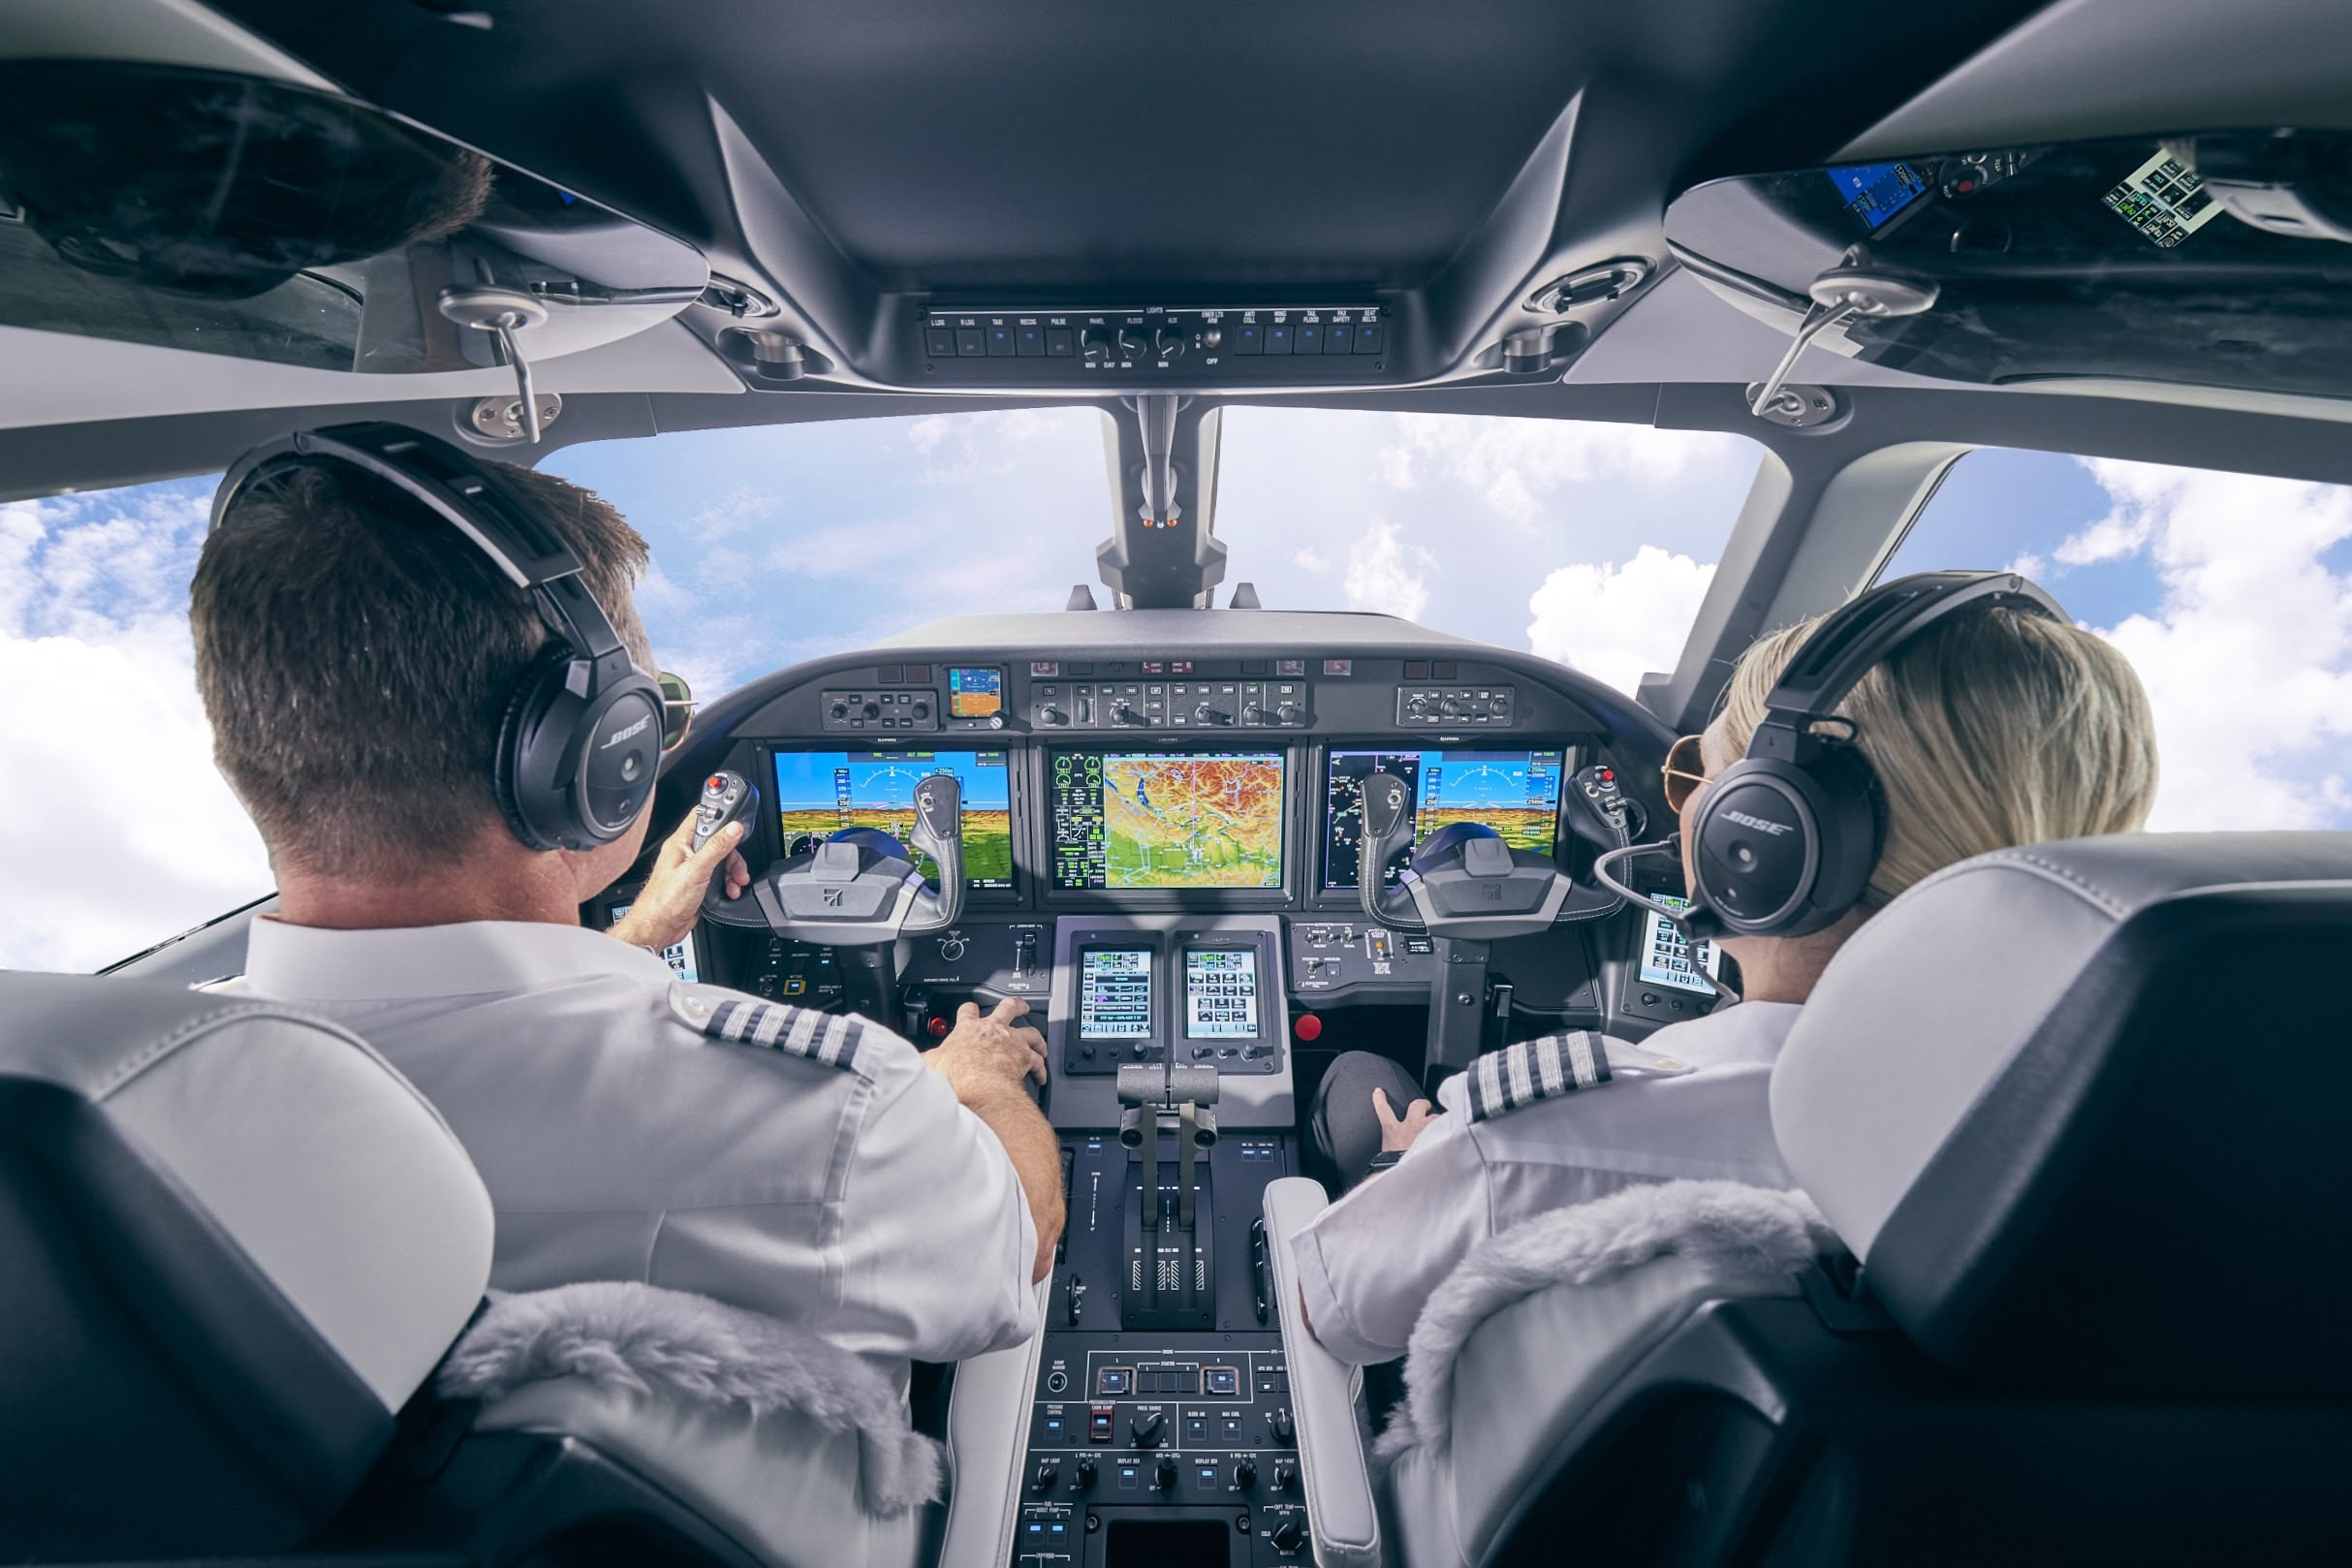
{"points": [[1147, 1428], [1048, 1475], [873, 710], [1245, 1474], [1131, 343], [1450, 707], [1125, 714], [1162, 1473], [1287, 1535], [1286, 1475], [1170, 342], [1501, 704], [1285, 1430], [1252, 713], [840, 710], [1100, 347], [1083, 1479], [1417, 706], [1050, 714], [1287, 714]]}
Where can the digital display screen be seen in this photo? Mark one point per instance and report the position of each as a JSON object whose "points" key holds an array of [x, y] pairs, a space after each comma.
{"points": [[1669, 960], [1875, 193], [1138, 820], [1221, 994], [678, 955], [1115, 994], [820, 793], [975, 694], [1515, 793]]}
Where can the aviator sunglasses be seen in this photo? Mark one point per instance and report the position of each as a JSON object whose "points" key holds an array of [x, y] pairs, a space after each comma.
{"points": [[1684, 774], [678, 710]]}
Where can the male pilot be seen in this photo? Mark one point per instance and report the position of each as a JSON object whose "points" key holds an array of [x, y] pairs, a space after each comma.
{"points": [[356, 653]]}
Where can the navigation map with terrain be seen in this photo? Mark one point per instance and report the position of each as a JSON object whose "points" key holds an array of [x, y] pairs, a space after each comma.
{"points": [[1515, 793], [1137, 821], [819, 793]]}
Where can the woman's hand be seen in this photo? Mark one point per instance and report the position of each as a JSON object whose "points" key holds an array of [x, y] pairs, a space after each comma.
{"points": [[1398, 1135]]}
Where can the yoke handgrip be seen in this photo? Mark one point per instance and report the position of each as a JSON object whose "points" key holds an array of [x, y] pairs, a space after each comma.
{"points": [[938, 832], [1388, 826]]}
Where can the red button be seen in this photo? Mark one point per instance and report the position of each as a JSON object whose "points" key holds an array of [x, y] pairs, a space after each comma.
{"points": [[1308, 1027], [714, 782], [939, 1029]]}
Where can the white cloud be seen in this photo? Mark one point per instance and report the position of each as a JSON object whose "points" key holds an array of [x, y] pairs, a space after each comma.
{"points": [[1310, 559], [115, 826], [1387, 576], [2247, 659], [1618, 623], [1516, 463], [961, 449]]}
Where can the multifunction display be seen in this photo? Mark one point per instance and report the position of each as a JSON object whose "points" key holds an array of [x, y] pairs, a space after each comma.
{"points": [[1668, 959], [1221, 994], [1125, 821], [1115, 994], [820, 793], [1515, 793]]}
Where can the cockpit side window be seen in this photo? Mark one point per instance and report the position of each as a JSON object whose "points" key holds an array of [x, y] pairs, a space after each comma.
{"points": [[2230, 594], [116, 829]]}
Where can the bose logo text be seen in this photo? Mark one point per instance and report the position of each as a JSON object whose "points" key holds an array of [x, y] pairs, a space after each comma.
{"points": [[1775, 828], [619, 735]]}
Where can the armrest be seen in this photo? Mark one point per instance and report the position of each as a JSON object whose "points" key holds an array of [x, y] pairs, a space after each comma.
{"points": [[1341, 1515]]}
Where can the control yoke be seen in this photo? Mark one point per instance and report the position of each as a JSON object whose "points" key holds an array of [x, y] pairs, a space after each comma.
{"points": [[860, 888], [1465, 882]]}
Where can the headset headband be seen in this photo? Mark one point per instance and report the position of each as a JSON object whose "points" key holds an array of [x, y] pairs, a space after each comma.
{"points": [[453, 488], [1866, 631]]}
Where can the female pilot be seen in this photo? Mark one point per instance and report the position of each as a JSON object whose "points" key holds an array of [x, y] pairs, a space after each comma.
{"points": [[1988, 729]]}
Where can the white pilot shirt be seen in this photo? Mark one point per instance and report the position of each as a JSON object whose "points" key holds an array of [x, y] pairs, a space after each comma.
{"points": [[620, 1140], [1369, 1263]]}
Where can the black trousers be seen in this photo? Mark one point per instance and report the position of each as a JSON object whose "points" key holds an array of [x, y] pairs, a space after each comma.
{"points": [[1342, 1126]]}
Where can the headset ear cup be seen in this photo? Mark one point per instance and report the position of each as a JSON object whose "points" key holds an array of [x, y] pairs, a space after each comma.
{"points": [[1853, 831], [525, 706]]}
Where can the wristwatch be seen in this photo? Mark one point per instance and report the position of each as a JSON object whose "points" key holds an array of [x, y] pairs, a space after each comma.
{"points": [[1386, 1158]]}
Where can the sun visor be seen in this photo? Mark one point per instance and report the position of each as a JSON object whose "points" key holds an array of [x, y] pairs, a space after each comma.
{"points": [[2211, 260], [261, 219]]}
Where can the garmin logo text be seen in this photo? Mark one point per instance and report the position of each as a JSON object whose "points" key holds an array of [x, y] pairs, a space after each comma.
{"points": [[619, 735], [1775, 828]]}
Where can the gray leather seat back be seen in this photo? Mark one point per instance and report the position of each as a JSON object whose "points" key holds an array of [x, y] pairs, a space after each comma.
{"points": [[2079, 1107], [235, 1241]]}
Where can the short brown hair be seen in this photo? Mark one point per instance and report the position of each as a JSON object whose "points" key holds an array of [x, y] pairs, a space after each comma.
{"points": [[356, 654]]}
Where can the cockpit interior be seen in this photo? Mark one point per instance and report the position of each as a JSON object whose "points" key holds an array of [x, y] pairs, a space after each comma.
{"points": [[1213, 840]]}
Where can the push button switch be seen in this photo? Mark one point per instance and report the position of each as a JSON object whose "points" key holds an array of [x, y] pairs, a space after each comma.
{"points": [[939, 342]]}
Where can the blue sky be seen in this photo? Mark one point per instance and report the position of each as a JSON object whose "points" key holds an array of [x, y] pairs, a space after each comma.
{"points": [[1591, 544]]}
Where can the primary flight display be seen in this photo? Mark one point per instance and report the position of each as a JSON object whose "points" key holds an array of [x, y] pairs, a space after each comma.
{"points": [[819, 793], [1159, 820], [1515, 793]]}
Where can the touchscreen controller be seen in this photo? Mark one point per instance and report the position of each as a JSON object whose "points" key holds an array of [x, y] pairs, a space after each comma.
{"points": [[1668, 959], [1115, 994]]}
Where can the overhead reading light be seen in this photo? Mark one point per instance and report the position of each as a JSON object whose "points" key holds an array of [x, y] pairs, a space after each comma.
{"points": [[1841, 295]]}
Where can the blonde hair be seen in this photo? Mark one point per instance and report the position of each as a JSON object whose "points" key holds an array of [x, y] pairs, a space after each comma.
{"points": [[1991, 730]]}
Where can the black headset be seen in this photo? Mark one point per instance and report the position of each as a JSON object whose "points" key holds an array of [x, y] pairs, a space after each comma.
{"points": [[1786, 838], [581, 743]]}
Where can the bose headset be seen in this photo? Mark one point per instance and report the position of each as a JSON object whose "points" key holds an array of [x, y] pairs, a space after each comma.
{"points": [[1786, 838], [581, 743]]}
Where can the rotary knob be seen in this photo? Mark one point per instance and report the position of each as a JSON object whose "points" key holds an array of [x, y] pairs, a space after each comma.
{"points": [[1131, 343], [1125, 714], [1050, 714], [1048, 1475], [1170, 342], [1147, 1428], [1244, 1474], [1286, 1475], [1100, 346], [1450, 707], [1083, 1480], [1162, 1473], [1287, 1537], [1418, 705]]}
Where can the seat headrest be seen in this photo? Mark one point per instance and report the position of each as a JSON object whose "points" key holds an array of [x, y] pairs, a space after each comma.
{"points": [[2079, 1107], [234, 1240]]}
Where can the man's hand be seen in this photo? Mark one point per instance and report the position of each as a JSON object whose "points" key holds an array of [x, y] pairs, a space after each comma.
{"points": [[980, 1055], [984, 1061], [1399, 1135], [672, 897]]}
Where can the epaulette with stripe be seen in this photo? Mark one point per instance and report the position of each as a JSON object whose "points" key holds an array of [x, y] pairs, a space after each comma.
{"points": [[832, 1038], [1545, 1069]]}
